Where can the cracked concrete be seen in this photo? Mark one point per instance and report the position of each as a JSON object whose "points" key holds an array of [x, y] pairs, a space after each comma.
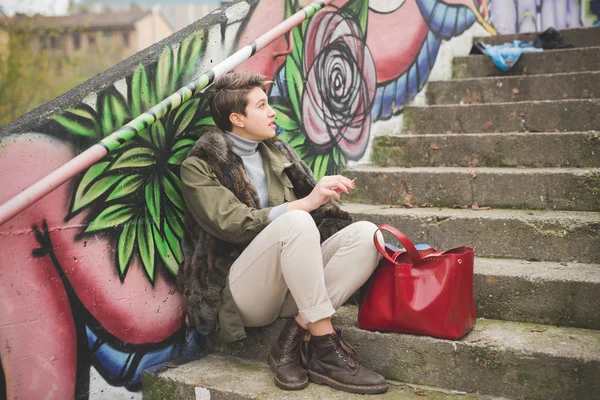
{"points": [[20, 232]]}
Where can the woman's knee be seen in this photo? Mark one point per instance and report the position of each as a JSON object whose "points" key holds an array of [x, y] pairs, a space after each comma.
{"points": [[299, 220], [363, 237], [364, 231]]}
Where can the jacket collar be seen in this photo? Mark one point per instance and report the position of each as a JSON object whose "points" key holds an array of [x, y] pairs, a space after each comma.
{"points": [[277, 160]]}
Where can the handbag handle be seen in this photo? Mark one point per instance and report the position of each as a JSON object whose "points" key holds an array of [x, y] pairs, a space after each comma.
{"points": [[413, 254]]}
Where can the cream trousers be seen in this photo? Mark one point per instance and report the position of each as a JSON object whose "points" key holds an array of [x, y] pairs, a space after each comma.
{"points": [[285, 271]]}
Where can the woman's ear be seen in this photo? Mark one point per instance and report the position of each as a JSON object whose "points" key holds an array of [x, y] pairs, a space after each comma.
{"points": [[236, 120]]}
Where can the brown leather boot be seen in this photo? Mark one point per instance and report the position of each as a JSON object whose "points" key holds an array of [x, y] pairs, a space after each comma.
{"points": [[285, 359], [334, 362]]}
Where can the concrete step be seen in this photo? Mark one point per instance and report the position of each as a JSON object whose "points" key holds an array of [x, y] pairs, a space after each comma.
{"points": [[538, 189], [560, 149], [578, 37], [510, 359], [545, 62], [571, 85], [517, 234], [526, 116], [550, 293], [231, 378]]}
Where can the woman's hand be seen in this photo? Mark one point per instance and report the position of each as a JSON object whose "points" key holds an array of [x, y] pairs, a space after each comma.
{"points": [[325, 189]]}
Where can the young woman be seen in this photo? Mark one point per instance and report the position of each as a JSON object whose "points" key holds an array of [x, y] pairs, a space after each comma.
{"points": [[264, 240]]}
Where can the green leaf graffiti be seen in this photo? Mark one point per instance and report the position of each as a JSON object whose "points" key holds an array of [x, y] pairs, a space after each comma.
{"points": [[360, 10], [141, 96], [126, 186], [134, 193], [158, 134], [175, 220], [93, 185], [339, 157], [166, 253], [320, 164], [284, 118], [172, 188], [185, 115], [145, 241], [137, 157], [80, 122], [191, 52], [180, 150], [295, 86], [173, 242], [164, 79], [294, 63], [153, 200], [298, 51], [125, 246], [114, 111], [111, 217]]}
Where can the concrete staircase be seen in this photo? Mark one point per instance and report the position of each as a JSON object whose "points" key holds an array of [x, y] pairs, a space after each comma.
{"points": [[524, 144]]}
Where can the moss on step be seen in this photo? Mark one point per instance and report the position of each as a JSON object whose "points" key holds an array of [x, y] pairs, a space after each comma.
{"points": [[592, 180], [157, 388], [385, 154]]}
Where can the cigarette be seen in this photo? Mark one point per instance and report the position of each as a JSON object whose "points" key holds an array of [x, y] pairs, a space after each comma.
{"points": [[353, 180]]}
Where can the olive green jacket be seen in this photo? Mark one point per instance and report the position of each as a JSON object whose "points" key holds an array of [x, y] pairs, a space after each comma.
{"points": [[217, 209]]}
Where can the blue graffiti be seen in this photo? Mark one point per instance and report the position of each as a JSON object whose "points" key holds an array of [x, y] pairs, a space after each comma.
{"points": [[444, 21], [123, 367]]}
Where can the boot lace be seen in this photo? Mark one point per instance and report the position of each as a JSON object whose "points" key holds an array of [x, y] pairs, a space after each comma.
{"points": [[344, 349], [288, 348]]}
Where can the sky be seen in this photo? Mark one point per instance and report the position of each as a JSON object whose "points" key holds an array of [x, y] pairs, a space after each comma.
{"points": [[149, 1], [47, 7], [60, 7]]}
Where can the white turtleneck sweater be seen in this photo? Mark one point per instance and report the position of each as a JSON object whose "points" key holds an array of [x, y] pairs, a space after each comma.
{"points": [[248, 151]]}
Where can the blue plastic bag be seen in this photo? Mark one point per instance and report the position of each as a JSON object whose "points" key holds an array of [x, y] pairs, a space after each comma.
{"points": [[417, 246], [506, 55]]}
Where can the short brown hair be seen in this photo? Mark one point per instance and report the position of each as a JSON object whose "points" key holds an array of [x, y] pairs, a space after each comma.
{"points": [[229, 94]]}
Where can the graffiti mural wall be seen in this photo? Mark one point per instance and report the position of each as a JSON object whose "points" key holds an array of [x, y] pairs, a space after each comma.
{"points": [[87, 275]]}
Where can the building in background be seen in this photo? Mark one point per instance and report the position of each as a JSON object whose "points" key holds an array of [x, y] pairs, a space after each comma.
{"points": [[179, 13], [42, 57], [128, 32]]}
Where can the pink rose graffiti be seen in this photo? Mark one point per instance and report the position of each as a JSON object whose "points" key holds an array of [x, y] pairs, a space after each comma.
{"points": [[340, 86]]}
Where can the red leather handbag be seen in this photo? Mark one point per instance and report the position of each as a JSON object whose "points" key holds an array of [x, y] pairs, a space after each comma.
{"points": [[424, 293]]}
